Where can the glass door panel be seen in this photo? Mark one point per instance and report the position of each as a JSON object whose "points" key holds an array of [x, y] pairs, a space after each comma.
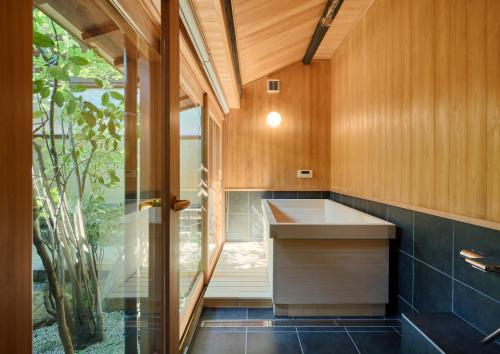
{"points": [[215, 197], [97, 255], [192, 218]]}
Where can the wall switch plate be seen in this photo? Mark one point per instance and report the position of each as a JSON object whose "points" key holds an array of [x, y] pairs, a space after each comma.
{"points": [[304, 174]]}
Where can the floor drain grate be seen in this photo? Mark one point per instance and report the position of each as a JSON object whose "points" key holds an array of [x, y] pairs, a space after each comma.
{"points": [[299, 323], [267, 323]]}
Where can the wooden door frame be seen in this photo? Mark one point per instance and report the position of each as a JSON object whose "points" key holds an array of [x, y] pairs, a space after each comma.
{"points": [[16, 201], [171, 83]]}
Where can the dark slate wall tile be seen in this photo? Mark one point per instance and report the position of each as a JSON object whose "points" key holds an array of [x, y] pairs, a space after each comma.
{"points": [[237, 227], [376, 209], [255, 199], [237, 202], [309, 195], [434, 241], [405, 276], [403, 219], [256, 227], [479, 310], [413, 342], [480, 239], [325, 195], [284, 195], [347, 200], [432, 291], [336, 197], [403, 306], [359, 204]]}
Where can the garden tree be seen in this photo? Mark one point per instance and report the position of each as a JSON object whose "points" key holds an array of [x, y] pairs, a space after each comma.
{"points": [[76, 153]]}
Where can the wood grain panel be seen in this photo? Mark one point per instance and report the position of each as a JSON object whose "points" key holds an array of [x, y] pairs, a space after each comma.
{"points": [[493, 109], [260, 157], [15, 179], [420, 126], [476, 109]]}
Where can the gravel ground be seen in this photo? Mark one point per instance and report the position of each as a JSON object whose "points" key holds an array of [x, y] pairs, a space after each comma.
{"points": [[46, 339]]}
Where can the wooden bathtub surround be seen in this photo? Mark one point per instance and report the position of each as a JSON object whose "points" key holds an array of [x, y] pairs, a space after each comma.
{"points": [[347, 271], [261, 157], [415, 107]]}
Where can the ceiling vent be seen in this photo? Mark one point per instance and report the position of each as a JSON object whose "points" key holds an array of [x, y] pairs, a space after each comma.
{"points": [[273, 86]]}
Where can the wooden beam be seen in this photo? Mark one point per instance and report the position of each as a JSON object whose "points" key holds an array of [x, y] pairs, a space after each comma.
{"points": [[92, 33], [233, 44], [331, 9]]}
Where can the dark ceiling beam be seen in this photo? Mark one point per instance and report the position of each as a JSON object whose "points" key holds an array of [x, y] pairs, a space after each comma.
{"points": [[332, 7], [227, 8]]}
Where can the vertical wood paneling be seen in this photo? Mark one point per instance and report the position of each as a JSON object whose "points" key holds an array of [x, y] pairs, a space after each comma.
{"points": [[261, 157], [476, 108], [415, 106], [406, 59], [493, 109], [458, 104], [422, 102], [442, 103]]}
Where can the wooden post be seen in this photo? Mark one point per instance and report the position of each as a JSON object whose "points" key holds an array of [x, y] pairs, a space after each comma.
{"points": [[16, 30]]}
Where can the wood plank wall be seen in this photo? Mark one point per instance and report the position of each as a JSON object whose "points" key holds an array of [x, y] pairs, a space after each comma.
{"points": [[416, 107], [15, 177], [260, 157]]}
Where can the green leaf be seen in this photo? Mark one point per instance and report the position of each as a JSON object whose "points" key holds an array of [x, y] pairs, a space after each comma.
{"points": [[78, 88], [58, 73], [42, 40], [90, 106], [98, 83], [100, 179], [79, 60], [71, 107], [59, 99], [37, 114], [37, 86], [105, 99], [89, 118], [112, 128], [45, 92], [116, 95]]}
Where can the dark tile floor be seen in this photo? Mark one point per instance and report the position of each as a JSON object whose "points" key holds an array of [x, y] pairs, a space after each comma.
{"points": [[370, 335]]}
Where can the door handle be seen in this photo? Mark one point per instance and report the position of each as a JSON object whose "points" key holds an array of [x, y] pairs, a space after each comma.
{"points": [[149, 203], [180, 204]]}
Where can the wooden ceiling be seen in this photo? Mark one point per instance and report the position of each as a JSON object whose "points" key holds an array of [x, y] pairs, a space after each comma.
{"points": [[211, 19], [274, 34], [349, 15]]}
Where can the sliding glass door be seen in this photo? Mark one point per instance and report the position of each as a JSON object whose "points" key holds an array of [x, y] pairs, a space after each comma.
{"points": [[98, 247]]}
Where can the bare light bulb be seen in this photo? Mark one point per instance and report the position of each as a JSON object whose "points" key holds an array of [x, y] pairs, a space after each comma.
{"points": [[273, 119]]}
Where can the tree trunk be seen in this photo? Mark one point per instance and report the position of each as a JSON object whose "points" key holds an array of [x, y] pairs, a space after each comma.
{"points": [[56, 292]]}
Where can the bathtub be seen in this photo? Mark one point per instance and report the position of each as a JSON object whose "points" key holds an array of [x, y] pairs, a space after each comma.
{"points": [[326, 259]]}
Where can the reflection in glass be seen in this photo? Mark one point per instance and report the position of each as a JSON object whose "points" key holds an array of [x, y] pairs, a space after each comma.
{"points": [[191, 225]]}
